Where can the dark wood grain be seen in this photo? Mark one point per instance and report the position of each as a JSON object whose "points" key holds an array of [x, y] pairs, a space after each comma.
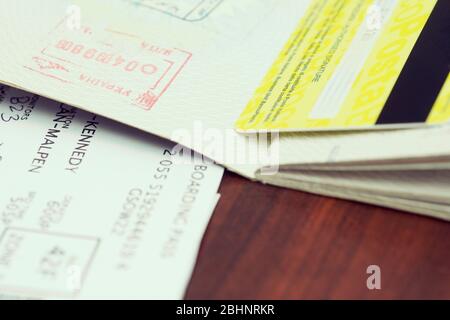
{"points": [[271, 243]]}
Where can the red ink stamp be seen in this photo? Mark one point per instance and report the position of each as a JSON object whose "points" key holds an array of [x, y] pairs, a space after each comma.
{"points": [[110, 61]]}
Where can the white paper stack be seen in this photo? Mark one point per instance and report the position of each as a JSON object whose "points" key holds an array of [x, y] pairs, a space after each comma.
{"points": [[91, 209], [186, 70]]}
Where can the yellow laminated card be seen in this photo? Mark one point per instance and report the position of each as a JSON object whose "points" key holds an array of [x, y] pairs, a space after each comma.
{"points": [[358, 64]]}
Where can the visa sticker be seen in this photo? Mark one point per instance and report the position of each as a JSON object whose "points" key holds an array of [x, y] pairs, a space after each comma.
{"points": [[358, 64]]}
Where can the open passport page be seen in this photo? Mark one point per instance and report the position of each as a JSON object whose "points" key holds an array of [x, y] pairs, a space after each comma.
{"points": [[349, 99]]}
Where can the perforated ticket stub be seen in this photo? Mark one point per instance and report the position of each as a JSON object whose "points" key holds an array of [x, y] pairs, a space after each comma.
{"points": [[358, 64], [93, 209]]}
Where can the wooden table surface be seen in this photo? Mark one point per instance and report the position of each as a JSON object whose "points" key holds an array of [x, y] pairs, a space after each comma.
{"points": [[271, 243]]}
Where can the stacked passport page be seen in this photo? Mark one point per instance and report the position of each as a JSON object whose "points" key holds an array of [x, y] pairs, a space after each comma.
{"points": [[349, 99]]}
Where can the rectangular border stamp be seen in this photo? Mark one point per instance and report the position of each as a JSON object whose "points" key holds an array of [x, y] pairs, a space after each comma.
{"points": [[187, 10], [33, 292], [109, 60]]}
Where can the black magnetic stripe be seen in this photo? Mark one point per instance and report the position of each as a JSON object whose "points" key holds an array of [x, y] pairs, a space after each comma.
{"points": [[424, 74]]}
